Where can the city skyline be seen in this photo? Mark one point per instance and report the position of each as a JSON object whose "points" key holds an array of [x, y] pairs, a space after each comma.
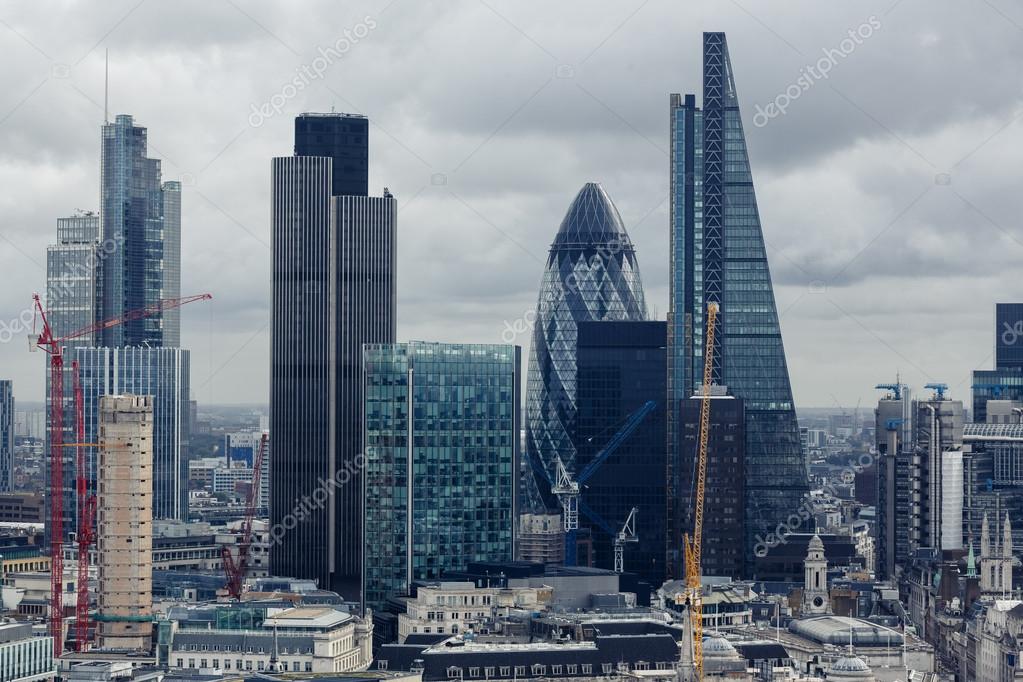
{"points": [[899, 181]]}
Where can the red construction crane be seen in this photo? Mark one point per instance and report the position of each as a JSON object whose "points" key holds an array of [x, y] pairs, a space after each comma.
{"points": [[235, 570], [54, 346], [86, 514]]}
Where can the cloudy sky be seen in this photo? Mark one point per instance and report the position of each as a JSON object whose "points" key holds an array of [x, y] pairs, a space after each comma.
{"points": [[890, 191]]}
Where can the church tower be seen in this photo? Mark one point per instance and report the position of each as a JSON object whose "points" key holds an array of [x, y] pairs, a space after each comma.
{"points": [[996, 559], [816, 598]]}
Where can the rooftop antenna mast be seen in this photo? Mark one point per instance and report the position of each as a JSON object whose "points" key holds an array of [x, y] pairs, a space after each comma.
{"points": [[106, 86]]}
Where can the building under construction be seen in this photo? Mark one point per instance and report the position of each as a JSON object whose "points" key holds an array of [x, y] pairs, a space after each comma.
{"points": [[124, 513]]}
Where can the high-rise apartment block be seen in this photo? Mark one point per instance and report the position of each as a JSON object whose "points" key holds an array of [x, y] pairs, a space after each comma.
{"points": [[334, 270], [718, 256], [441, 461], [124, 522]]}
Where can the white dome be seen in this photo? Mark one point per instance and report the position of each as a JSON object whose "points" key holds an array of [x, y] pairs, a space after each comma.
{"points": [[851, 668], [718, 647]]}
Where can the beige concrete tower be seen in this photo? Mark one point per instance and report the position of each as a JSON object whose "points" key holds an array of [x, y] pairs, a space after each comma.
{"points": [[124, 522]]}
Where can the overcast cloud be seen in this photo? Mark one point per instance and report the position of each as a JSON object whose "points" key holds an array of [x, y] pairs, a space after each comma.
{"points": [[890, 192]]}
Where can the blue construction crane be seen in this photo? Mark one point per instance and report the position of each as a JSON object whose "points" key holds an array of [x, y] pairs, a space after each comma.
{"points": [[996, 389], [938, 389], [896, 389], [567, 487]]}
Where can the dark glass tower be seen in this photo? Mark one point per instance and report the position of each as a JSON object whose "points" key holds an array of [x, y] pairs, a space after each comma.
{"points": [[333, 290], [718, 255], [345, 139], [621, 365], [1005, 381], [592, 274]]}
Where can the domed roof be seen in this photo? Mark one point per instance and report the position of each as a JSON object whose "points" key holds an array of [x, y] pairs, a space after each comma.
{"points": [[851, 664], [816, 542], [592, 220], [718, 647], [852, 669]]}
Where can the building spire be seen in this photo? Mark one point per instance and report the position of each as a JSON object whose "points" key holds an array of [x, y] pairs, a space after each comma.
{"points": [[1007, 538]]}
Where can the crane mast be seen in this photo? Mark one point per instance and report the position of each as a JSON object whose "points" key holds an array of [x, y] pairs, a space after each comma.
{"points": [[54, 346], [235, 570], [694, 545]]}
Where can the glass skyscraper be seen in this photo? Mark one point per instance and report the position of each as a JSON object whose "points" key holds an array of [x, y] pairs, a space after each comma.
{"points": [[144, 216], [441, 460], [621, 366], [333, 290], [104, 265], [162, 373], [717, 255], [1005, 381], [591, 274]]}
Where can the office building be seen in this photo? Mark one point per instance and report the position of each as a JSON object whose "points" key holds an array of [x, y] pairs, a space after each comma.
{"points": [[592, 274], [441, 462], [893, 439], [316, 640], [620, 366], [334, 271], [124, 522], [1005, 381], [142, 215], [723, 521], [163, 374], [718, 256], [992, 476], [6, 436], [104, 265], [344, 138], [24, 655]]}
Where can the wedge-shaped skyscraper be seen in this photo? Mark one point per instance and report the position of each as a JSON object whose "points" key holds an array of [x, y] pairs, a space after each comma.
{"points": [[718, 255]]}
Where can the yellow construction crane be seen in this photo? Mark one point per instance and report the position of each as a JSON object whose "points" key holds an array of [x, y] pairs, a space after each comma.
{"points": [[694, 545]]}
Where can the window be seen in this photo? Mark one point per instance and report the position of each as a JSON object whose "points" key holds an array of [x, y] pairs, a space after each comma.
{"points": [[490, 671], [539, 669], [555, 669], [238, 663], [474, 672], [454, 672], [573, 669], [308, 666], [181, 663], [381, 665], [191, 663], [606, 668], [587, 669], [505, 671], [520, 670]]}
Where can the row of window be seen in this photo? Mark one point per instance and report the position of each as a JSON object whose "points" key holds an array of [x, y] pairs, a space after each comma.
{"points": [[240, 664]]}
